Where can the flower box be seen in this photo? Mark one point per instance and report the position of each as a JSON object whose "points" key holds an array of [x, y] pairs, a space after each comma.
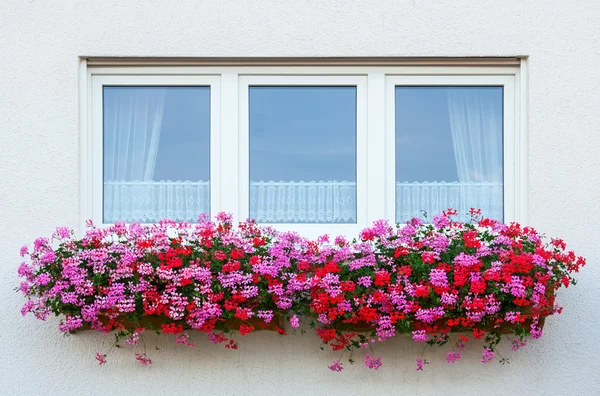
{"points": [[421, 280], [155, 322]]}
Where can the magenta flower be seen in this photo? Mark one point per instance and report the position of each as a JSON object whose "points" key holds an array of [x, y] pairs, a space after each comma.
{"points": [[452, 357], [100, 358], [143, 359], [517, 344], [488, 355], [336, 366], [420, 336], [295, 322], [372, 363]]}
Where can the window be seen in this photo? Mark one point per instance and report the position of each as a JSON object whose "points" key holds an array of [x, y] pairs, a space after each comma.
{"points": [[156, 153], [454, 133], [298, 147], [302, 154]]}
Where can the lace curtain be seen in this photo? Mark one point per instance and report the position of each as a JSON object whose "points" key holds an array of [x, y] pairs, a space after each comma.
{"points": [[150, 201], [291, 202], [412, 199], [303, 202]]}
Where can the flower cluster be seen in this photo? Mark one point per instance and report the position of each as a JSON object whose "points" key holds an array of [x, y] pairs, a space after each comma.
{"points": [[427, 281]]}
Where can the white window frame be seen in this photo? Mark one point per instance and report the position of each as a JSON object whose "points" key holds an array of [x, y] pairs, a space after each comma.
{"points": [[375, 127]]}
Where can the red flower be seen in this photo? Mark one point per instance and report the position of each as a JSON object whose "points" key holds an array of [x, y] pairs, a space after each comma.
{"points": [[422, 291], [232, 266], [219, 255], [382, 278], [348, 286], [185, 282], [478, 287], [405, 270], [368, 314], [326, 335], [303, 266], [428, 257], [246, 328], [172, 328], [396, 316], [254, 260], [470, 239], [401, 251], [331, 267], [242, 313], [280, 330]]}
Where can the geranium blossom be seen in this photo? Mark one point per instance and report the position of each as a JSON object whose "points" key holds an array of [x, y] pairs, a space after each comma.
{"points": [[421, 280]]}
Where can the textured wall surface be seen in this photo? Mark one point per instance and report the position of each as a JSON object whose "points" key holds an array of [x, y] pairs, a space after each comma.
{"points": [[40, 45]]}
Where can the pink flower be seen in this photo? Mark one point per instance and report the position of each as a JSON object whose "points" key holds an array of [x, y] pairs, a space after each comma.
{"points": [[63, 232], [420, 363], [536, 332], [212, 337], [100, 358], [24, 251], [70, 323], [267, 315], [295, 322], [143, 359], [452, 357], [133, 340], [336, 366], [372, 363], [42, 279], [184, 339], [24, 270], [420, 336], [365, 281], [488, 355], [440, 221], [517, 344]]}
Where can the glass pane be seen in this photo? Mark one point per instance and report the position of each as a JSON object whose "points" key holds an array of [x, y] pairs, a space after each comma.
{"points": [[156, 153], [448, 151], [303, 154]]}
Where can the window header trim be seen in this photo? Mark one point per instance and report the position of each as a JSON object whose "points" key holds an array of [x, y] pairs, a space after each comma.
{"points": [[510, 61]]}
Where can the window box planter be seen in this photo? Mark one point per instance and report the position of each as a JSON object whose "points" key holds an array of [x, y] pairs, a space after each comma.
{"points": [[483, 279], [154, 322]]}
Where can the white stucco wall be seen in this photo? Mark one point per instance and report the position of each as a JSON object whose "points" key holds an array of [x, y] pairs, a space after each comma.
{"points": [[40, 45]]}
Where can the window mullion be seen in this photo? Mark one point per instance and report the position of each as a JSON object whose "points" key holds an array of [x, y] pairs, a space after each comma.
{"points": [[227, 181], [376, 143]]}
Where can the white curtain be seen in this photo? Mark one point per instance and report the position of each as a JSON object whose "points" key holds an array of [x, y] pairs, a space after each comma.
{"points": [[475, 119], [412, 199], [303, 202], [150, 201], [132, 125], [476, 127]]}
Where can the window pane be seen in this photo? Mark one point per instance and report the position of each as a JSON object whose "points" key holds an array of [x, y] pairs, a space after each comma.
{"points": [[303, 154], [156, 153], [448, 151]]}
